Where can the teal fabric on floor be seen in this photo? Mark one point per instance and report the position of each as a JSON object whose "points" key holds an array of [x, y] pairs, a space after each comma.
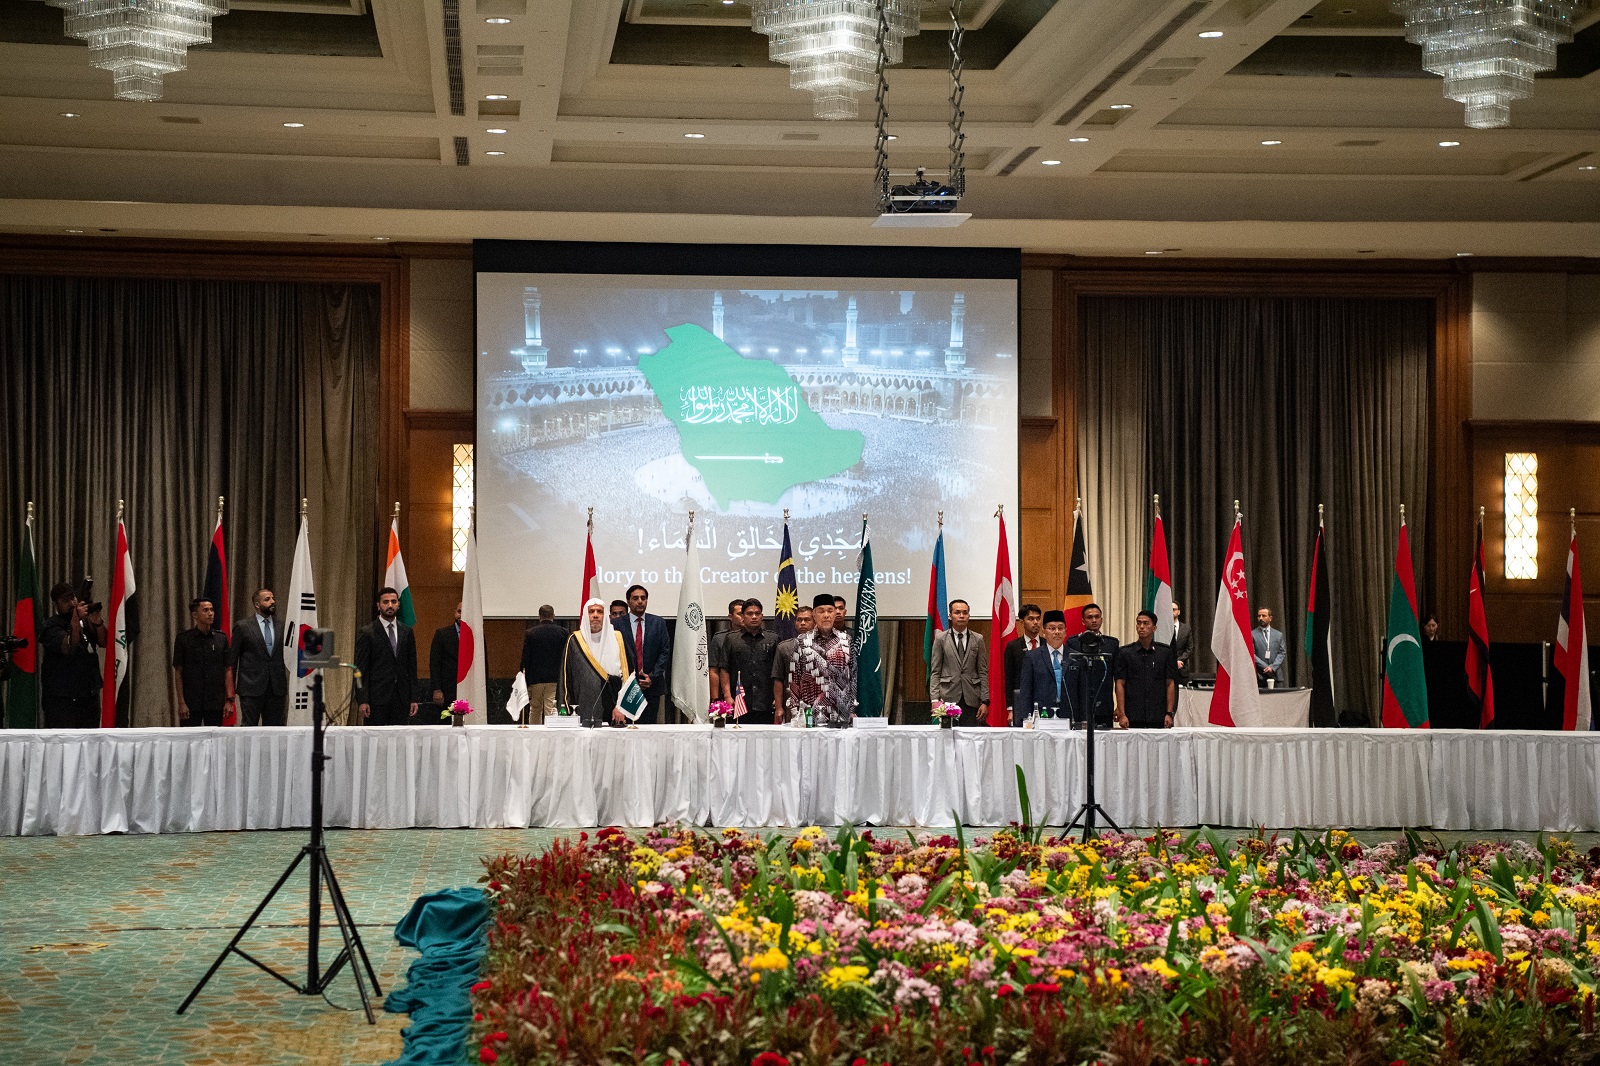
{"points": [[450, 929]]}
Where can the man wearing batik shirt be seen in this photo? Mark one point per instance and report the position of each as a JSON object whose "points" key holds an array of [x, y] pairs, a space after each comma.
{"points": [[824, 674]]}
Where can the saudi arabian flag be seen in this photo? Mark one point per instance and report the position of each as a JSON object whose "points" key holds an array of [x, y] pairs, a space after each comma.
{"points": [[869, 655], [394, 574], [1405, 689], [1158, 583]]}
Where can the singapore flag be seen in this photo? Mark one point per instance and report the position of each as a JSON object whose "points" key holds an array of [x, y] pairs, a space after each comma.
{"points": [[1235, 700]]}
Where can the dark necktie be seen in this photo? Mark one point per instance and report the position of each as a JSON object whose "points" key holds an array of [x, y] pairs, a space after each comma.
{"points": [[638, 643], [394, 641], [271, 643], [961, 644]]}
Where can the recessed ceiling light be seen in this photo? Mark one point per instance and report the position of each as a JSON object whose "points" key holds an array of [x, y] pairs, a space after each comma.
{"points": [[70, 114], [1152, 253], [695, 136], [498, 21], [1461, 255], [293, 125], [496, 129], [1078, 140], [1122, 107], [727, 3], [1269, 144], [380, 238], [494, 153], [1210, 34], [1449, 144], [495, 96], [74, 231], [1589, 166], [892, 137], [1049, 162]]}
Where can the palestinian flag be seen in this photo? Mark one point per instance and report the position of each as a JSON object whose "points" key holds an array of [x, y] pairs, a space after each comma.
{"points": [[787, 600], [938, 601], [1319, 647], [1405, 688], [124, 628], [1480, 681], [1569, 688], [1079, 592], [1158, 583], [394, 574], [22, 701], [869, 653]]}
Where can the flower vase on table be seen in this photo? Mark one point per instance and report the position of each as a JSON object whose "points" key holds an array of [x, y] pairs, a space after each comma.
{"points": [[721, 713], [457, 713], [946, 714]]}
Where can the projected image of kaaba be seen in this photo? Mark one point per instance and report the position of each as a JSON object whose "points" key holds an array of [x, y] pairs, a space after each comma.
{"points": [[746, 401]]}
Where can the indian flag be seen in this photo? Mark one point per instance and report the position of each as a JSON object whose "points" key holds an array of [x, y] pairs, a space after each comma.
{"points": [[1158, 583], [394, 574]]}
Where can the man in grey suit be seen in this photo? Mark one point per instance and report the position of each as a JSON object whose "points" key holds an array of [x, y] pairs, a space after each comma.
{"points": [[260, 680], [1270, 650], [960, 667]]}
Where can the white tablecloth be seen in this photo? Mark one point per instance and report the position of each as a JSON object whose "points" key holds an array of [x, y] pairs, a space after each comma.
{"points": [[1288, 708], [193, 780]]}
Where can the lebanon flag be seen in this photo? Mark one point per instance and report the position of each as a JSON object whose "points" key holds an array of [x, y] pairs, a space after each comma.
{"points": [[1002, 627], [1480, 680], [1235, 700], [938, 599], [124, 627], [1079, 592], [591, 579], [22, 702], [1158, 582], [1405, 688], [1572, 651], [394, 574], [299, 615], [472, 675]]}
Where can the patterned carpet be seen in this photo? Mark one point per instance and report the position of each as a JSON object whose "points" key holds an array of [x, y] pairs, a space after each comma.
{"points": [[102, 937]]}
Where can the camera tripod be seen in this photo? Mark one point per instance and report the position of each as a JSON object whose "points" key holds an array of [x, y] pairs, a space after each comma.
{"points": [[1089, 807], [317, 980]]}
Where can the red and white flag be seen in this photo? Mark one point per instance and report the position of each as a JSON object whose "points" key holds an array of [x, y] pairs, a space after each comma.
{"points": [[472, 673], [1002, 627], [591, 579], [1572, 649], [739, 707], [124, 627], [1235, 700]]}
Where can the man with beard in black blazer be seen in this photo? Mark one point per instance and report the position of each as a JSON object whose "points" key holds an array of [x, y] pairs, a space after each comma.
{"points": [[255, 651], [386, 655]]}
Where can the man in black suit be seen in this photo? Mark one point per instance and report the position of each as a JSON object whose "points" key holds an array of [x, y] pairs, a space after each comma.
{"points": [[260, 679], [1182, 642], [1088, 682], [1039, 681], [542, 646], [386, 655], [649, 651], [1032, 637], [443, 658]]}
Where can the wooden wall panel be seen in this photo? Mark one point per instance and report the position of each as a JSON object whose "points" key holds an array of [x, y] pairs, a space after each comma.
{"points": [[1039, 573]]}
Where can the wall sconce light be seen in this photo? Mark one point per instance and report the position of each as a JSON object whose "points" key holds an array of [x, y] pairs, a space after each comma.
{"points": [[460, 506], [1522, 516]]}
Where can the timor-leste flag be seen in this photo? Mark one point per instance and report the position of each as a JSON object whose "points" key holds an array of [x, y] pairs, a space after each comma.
{"points": [[1569, 688], [1079, 592], [787, 599], [22, 699], [1480, 679], [1405, 687]]}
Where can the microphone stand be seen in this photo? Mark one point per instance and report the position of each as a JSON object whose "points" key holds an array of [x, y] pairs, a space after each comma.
{"points": [[317, 980], [1090, 807]]}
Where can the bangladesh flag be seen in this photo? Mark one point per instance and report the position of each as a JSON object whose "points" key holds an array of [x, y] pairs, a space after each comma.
{"points": [[22, 702], [869, 655], [1405, 689], [394, 574]]}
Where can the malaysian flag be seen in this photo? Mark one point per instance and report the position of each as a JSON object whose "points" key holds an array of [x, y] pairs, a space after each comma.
{"points": [[739, 709]]}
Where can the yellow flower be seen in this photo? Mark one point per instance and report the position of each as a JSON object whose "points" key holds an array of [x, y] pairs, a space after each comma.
{"points": [[1301, 961], [771, 959], [1336, 978], [1160, 966], [844, 975]]}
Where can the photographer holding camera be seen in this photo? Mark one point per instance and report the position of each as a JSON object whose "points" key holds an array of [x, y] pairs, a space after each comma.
{"points": [[69, 671]]}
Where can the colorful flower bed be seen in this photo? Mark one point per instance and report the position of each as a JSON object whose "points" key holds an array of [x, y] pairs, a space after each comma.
{"points": [[681, 946]]}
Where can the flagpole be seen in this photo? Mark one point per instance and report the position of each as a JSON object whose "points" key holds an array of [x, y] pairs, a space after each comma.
{"points": [[302, 507], [941, 521], [1157, 498]]}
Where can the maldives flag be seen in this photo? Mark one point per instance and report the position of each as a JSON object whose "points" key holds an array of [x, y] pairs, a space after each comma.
{"points": [[1002, 627], [591, 580], [1079, 592], [1158, 581], [938, 599], [1235, 700], [1319, 646], [394, 572], [124, 627], [1570, 689], [215, 586], [1405, 688], [22, 701], [472, 674], [1480, 681]]}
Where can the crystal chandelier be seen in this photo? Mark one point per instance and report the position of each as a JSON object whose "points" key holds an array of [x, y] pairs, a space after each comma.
{"points": [[140, 41], [831, 46], [1488, 50]]}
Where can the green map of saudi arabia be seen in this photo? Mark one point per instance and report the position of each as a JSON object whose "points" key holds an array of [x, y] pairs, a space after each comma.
{"points": [[744, 424]]}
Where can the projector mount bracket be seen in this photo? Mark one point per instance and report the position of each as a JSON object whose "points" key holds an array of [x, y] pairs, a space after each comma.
{"points": [[922, 195]]}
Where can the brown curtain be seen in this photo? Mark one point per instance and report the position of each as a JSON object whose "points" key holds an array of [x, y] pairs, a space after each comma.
{"points": [[1281, 403], [168, 394]]}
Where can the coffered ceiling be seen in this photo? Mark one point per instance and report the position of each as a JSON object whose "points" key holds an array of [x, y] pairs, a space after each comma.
{"points": [[1093, 126]]}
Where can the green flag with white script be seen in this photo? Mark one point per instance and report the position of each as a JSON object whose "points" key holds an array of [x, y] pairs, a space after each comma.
{"points": [[869, 655]]}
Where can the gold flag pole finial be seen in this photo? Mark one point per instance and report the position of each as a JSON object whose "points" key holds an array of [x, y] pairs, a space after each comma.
{"points": [[689, 533], [999, 510], [1077, 503], [1481, 510], [591, 520], [1572, 515], [222, 503], [785, 515], [120, 509], [1237, 514], [1319, 514], [30, 510], [1157, 498], [1402, 514], [397, 509], [302, 507], [941, 521]]}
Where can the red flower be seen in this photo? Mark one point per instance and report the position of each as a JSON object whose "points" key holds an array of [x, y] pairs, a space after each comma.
{"points": [[1003, 991], [621, 960], [858, 1062], [650, 1010], [494, 1038], [1042, 988], [486, 1054], [988, 1049], [483, 986], [769, 1058], [583, 836]]}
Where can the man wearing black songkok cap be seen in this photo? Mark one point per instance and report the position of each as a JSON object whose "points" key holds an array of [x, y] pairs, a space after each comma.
{"points": [[1043, 671]]}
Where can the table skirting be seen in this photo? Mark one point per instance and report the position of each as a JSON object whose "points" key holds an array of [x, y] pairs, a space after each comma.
{"points": [[1284, 708], [74, 782]]}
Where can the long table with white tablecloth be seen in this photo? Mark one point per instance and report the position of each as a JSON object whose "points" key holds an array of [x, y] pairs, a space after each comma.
{"points": [[201, 779]]}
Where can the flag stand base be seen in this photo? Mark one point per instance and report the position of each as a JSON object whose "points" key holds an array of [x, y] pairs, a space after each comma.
{"points": [[321, 870], [1089, 808]]}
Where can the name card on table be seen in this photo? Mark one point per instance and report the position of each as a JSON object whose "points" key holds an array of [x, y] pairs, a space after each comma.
{"points": [[562, 721], [869, 723]]}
